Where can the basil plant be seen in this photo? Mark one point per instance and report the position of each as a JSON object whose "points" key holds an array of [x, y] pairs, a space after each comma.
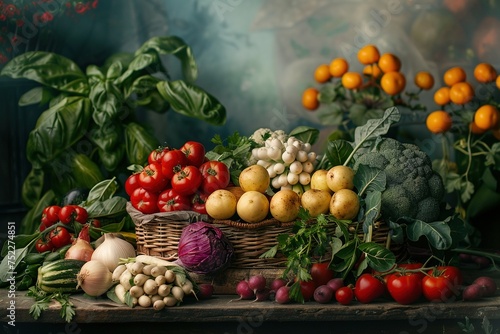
{"points": [[90, 128]]}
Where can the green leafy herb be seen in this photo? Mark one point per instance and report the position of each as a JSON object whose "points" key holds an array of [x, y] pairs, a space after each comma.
{"points": [[43, 300]]}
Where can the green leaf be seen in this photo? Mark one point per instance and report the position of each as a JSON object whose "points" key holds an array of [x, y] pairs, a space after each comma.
{"points": [[107, 101], [437, 233], [31, 221], [175, 46], [87, 173], [20, 241], [48, 69], [111, 159], [373, 202], [138, 63], [493, 156], [107, 137], [190, 100], [138, 143], [378, 257], [109, 207], [10, 261], [333, 115], [306, 134], [369, 179], [58, 128], [102, 191], [37, 95], [32, 187], [338, 151]]}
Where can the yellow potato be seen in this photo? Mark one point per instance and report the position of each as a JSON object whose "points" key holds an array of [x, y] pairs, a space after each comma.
{"points": [[221, 204], [318, 180], [255, 178], [340, 177], [344, 204], [316, 201], [285, 205], [253, 206]]}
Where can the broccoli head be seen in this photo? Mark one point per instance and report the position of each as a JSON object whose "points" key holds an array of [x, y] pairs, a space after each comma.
{"points": [[413, 188]]}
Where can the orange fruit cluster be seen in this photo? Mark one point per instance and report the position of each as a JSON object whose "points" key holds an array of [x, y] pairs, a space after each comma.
{"points": [[380, 70], [458, 92]]}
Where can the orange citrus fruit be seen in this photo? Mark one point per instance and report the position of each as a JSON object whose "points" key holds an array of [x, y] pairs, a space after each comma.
{"points": [[486, 117], [484, 73], [498, 82], [389, 63], [442, 96], [438, 121], [322, 73], [372, 71], [368, 54], [461, 93], [393, 82], [338, 67], [352, 80], [454, 75], [310, 99], [424, 80], [496, 133], [475, 129]]}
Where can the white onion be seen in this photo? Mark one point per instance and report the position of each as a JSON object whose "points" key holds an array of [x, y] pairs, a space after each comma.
{"points": [[112, 250], [94, 278]]}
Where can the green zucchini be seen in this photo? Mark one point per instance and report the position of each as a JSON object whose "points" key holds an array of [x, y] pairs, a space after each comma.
{"points": [[60, 275], [35, 258]]}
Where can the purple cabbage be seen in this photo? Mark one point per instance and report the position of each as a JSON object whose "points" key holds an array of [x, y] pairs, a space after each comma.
{"points": [[204, 249]]}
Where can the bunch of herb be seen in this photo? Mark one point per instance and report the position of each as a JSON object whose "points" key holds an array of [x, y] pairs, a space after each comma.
{"points": [[43, 300]]}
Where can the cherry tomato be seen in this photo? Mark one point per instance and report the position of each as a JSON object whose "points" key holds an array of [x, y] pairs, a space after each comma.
{"points": [[144, 200], [368, 288], [195, 152], [451, 272], [405, 288], [198, 203], [50, 215], [132, 183], [215, 176], [60, 237], [67, 214], [344, 295], [95, 223], [170, 200], [81, 215], [42, 227], [320, 273], [172, 162], [307, 289], [187, 180], [43, 244], [151, 178], [442, 283], [157, 154]]}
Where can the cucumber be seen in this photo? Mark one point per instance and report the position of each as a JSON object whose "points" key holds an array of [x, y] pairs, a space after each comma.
{"points": [[35, 258], [60, 275]]}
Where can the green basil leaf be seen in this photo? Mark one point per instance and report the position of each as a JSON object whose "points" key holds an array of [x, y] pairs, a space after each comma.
{"points": [[37, 95], [138, 143], [10, 262], [31, 221], [20, 241], [32, 187], [106, 137], [306, 134], [139, 62], [378, 257], [338, 151], [109, 207], [110, 159], [94, 73], [114, 71], [58, 128], [86, 172], [107, 101], [101, 191], [189, 100], [49, 69], [177, 47]]}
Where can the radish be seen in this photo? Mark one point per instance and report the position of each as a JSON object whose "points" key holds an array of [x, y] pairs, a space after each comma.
{"points": [[262, 295], [323, 294], [277, 283], [283, 295], [206, 290], [335, 284], [244, 291], [487, 284], [472, 292], [256, 283]]}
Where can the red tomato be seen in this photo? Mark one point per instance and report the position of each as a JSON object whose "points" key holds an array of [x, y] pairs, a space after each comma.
{"points": [[81, 214], [42, 227], [442, 283], [157, 154], [95, 223], [195, 152], [172, 162], [50, 215], [132, 183], [60, 237], [67, 214], [451, 272], [405, 288], [43, 245], [368, 288], [320, 273], [344, 295], [169, 200], [215, 176], [151, 178], [187, 180], [144, 200], [198, 203], [307, 289]]}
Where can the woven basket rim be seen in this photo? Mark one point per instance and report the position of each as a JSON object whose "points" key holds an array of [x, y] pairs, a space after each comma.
{"points": [[251, 226]]}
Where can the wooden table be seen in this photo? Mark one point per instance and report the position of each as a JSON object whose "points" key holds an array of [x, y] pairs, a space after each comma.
{"points": [[223, 314]]}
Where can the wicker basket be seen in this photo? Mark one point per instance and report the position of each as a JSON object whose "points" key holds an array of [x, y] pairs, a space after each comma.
{"points": [[158, 235]]}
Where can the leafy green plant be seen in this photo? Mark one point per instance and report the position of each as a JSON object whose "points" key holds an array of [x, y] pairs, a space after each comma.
{"points": [[90, 130]]}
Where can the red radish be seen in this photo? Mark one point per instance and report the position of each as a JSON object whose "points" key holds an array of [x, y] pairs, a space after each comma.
{"points": [[323, 294], [277, 283], [257, 282], [283, 295], [244, 291], [206, 290], [472, 292], [335, 284], [262, 295], [488, 285]]}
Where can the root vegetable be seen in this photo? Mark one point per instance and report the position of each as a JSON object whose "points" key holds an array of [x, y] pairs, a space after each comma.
{"points": [[488, 285], [335, 283], [283, 295], [206, 290], [256, 283], [120, 292], [170, 301], [136, 268], [253, 206], [262, 295], [160, 280], [472, 292], [316, 201], [155, 298], [178, 293], [244, 291], [136, 291], [254, 178], [147, 259], [146, 270], [144, 301], [285, 205], [158, 270], [118, 272], [277, 283], [140, 279], [323, 294], [169, 276], [125, 279], [158, 305], [150, 287], [340, 177], [221, 204], [344, 204], [164, 290]]}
